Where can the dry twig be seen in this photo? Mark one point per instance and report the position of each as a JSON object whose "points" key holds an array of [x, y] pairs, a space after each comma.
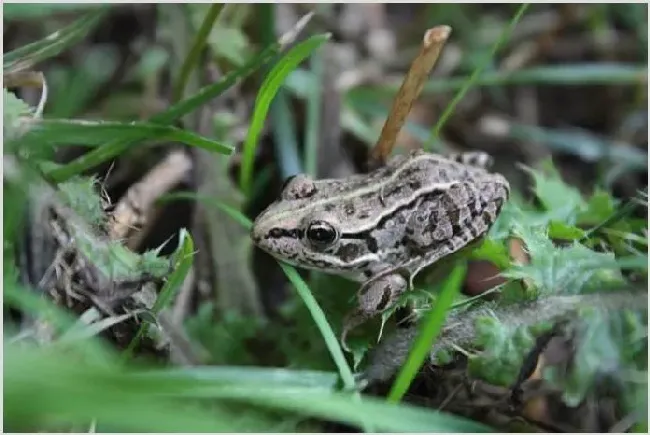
{"points": [[133, 208], [434, 40]]}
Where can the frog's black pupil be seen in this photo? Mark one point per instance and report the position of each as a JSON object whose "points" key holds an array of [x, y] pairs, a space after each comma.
{"points": [[321, 233]]}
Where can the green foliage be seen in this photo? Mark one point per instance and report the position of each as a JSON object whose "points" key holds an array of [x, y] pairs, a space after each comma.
{"points": [[14, 110], [431, 328], [506, 346], [80, 195], [225, 339], [168, 400], [562, 270], [560, 201], [267, 92], [27, 56], [611, 345], [577, 244]]}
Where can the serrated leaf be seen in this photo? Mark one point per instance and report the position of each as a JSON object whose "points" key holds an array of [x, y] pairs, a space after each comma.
{"points": [[608, 344], [562, 231], [561, 201], [183, 259], [599, 207], [117, 262], [80, 195], [13, 115], [562, 270], [505, 349]]}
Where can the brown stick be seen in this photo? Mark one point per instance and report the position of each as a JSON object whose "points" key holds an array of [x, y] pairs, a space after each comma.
{"points": [[136, 205], [434, 40]]}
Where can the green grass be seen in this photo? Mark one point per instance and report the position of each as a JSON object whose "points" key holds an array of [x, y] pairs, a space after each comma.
{"points": [[79, 381], [265, 96]]}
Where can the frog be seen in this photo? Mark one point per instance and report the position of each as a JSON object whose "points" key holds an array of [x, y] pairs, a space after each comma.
{"points": [[384, 227]]}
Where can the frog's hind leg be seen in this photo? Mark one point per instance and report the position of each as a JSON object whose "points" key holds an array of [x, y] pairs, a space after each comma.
{"points": [[434, 225], [477, 159]]}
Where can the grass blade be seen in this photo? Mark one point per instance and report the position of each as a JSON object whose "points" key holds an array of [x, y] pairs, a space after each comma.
{"points": [[27, 11], [430, 330], [314, 115], [162, 400], [231, 211], [24, 57], [346, 409], [92, 133], [320, 319], [269, 88], [177, 111], [469, 82], [580, 74], [228, 375], [73, 391], [194, 54], [182, 263], [284, 134]]}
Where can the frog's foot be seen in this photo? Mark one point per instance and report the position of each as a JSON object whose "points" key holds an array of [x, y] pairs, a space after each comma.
{"points": [[351, 321], [373, 298]]}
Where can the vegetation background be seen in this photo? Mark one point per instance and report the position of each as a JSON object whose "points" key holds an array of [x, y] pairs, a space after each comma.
{"points": [[140, 141]]}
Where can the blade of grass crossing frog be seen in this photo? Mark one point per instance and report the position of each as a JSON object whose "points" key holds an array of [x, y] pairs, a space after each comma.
{"points": [[267, 92], [323, 325], [430, 330]]}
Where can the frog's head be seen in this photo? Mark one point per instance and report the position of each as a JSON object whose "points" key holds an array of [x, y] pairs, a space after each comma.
{"points": [[300, 229]]}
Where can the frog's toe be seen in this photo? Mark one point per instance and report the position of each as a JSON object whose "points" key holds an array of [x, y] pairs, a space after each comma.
{"points": [[350, 322]]}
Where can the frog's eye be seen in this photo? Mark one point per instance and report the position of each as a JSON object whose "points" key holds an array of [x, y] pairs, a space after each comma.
{"points": [[298, 186], [321, 233]]}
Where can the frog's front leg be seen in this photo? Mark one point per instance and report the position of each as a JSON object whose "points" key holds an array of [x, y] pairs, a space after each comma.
{"points": [[373, 297]]}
